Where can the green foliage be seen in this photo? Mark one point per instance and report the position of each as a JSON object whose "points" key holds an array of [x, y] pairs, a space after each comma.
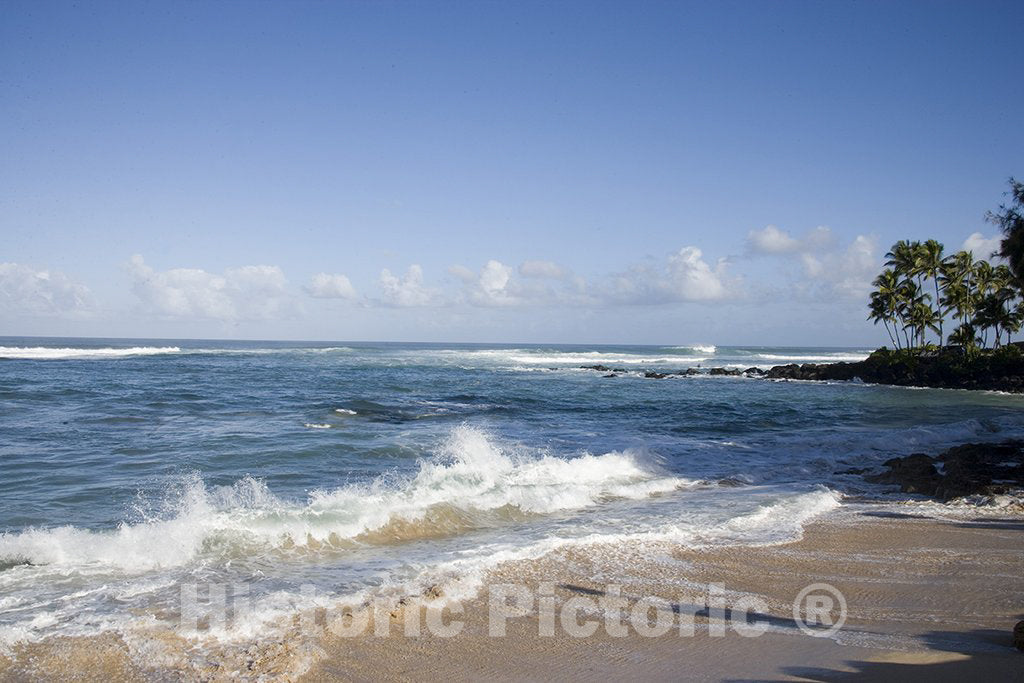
{"points": [[1010, 219], [982, 301]]}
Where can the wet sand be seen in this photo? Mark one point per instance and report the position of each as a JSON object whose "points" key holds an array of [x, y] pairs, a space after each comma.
{"points": [[927, 599]]}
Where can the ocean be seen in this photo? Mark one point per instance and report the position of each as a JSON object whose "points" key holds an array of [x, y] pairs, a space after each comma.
{"points": [[131, 467]]}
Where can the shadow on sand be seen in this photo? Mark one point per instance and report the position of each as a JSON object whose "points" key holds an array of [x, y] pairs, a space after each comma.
{"points": [[987, 655]]}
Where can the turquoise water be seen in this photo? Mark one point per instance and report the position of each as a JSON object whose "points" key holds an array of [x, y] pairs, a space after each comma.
{"points": [[130, 466]]}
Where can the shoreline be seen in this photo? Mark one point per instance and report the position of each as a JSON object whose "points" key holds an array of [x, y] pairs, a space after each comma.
{"points": [[929, 597], [999, 370]]}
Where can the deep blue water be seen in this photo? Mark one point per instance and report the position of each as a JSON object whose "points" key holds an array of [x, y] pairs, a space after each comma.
{"points": [[136, 463]]}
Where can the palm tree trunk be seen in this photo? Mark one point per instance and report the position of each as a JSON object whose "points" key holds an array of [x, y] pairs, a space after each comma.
{"points": [[889, 332]]}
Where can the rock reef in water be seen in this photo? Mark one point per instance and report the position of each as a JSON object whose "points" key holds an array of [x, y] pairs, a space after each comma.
{"points": [[951, 368], [969, 469], [999, 370]]}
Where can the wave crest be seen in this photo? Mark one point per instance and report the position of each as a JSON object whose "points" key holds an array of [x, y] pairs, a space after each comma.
{"points": [[470, 483], [51, 353]]}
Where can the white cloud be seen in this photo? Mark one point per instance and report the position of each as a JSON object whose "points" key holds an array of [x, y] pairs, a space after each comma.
{"points": [[408, 291], [493, 286], [328, 286], [845, 274], [462, 273], [827, 270], [541, 269], [30, 291], [246, 293], [684, 277], [497, 284], [982, 247], [772, 240], [494, 281], [852, 272]]}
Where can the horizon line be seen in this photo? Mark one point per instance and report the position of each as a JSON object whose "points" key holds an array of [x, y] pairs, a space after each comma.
{"points": [[463, 343]]}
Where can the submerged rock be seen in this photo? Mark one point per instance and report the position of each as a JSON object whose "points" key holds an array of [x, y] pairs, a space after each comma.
{"points": [[915, 473]]}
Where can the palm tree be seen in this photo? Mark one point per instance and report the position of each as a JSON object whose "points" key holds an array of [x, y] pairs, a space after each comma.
{"points": [[904, 258], [887, 298], [980, 296], [1003, 292], [1010, 220], [881, 311], [1015, 320], [963, 335], [956, 277], [930, 264], [956, 298], [910, 298], [923, 318], [990, 314]]}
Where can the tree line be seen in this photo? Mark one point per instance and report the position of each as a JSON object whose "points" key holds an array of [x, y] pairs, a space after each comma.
{"points": [[924, 291]]}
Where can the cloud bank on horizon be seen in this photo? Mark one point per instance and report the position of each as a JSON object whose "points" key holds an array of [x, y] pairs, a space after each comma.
{"points": [[829, 271]]}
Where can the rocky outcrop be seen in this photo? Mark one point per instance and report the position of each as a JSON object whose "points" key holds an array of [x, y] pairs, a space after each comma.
{"points": [[599, 368], [974, 468], [1001, 370], [815, 371]]}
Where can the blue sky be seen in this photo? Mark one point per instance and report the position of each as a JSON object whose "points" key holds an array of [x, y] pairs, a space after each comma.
{"points": [[508, 172]]}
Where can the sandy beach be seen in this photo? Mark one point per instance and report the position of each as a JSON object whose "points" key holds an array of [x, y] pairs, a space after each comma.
{"points": [[927, 599]]}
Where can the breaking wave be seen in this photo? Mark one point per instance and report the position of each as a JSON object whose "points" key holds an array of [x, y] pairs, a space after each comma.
{"points": [[50, 353], [551, 357], [472, 482], [708, 349], [823, 358]]}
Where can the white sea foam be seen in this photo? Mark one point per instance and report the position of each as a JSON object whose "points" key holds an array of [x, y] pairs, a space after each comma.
{"points": [[213, 528], [471, 473], [265, 351], [581, 357], [52, 353], [820, 358], [314, 425], [540, 357], [778, 521], [345, 411], [699, 348]]}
